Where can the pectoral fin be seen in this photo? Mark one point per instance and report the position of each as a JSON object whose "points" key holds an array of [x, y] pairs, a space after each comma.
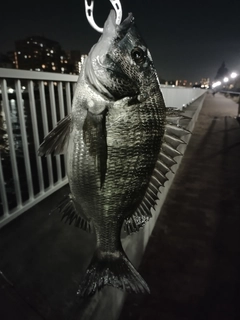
{"points": [[94, 135], [56, 140]]}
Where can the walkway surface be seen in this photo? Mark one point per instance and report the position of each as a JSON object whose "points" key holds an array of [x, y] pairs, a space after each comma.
{"points": [[192, 261]]}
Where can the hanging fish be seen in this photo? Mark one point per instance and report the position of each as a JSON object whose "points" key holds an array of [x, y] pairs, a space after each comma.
{"points": [[119, 148]]}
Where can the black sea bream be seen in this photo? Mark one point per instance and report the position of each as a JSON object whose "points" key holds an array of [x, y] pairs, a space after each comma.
{"points": [[117, 156]]}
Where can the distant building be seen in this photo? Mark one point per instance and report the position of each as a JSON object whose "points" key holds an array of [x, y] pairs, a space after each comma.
{"points": [[181, 83], [5, 61], [41, 54], [74, 59], [205, 83]]}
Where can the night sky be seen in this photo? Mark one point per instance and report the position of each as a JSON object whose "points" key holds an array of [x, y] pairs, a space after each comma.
{"points": [[187, 39]]}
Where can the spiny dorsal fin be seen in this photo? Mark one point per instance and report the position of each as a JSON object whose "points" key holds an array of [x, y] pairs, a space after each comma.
{"points": [[176, 131], [170, 151], [171, 140], [56, 140]]}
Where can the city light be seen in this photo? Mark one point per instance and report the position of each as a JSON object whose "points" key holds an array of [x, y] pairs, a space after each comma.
{"points": [[216, 84], [233, 75]]}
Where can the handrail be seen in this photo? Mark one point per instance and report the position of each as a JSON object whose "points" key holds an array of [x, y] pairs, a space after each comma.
{"points": [[35, 75]]}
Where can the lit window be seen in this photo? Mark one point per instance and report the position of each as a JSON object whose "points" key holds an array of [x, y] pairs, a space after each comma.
{"points": [[43, 66], [19, 52], [62, 69], [65, 61], [27, 42], [48, 54], [25, 57], [41, 45], [29, 56], [61, 57], [54, 68], [37, 69], [52, 63], [51, 51]]}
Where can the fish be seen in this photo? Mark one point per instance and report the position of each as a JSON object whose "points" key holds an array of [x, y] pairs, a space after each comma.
{"points": [[119, 145]]}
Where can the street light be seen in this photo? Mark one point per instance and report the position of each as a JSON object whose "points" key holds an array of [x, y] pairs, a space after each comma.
{"points": [[225, 79], [233, 75]]}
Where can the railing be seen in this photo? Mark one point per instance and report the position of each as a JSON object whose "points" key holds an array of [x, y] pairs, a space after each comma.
{"points": [[179, 97], [31, 103], [235, 95], [26, 116]]}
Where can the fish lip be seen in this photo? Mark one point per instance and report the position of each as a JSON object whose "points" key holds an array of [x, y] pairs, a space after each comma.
{"points": [[114, 69]]}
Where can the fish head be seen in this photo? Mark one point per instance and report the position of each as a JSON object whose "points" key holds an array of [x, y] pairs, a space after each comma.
{"points": [[120, 64]]}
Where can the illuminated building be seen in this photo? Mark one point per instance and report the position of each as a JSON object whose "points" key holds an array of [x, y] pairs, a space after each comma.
{"points": [[41, 54], [38, 54]]}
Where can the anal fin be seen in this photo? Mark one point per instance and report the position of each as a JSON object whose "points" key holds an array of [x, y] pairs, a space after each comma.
{"points": [[71, 215]]}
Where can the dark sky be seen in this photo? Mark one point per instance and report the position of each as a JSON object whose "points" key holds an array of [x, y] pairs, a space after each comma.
{"points": [[187, 39]]}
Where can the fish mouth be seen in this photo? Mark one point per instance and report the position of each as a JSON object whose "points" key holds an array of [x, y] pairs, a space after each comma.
{"points": [[123, 28], [100, 67]]}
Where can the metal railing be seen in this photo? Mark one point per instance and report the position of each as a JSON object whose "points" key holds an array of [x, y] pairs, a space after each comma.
{"points": [[179, 97], [31, 103], [234, 95]]}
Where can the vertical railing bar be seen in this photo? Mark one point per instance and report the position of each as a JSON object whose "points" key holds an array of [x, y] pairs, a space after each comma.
{"points": [[3, 191], [24, 138], [45, 129], [62, 113], [6, 109], [69, 110], [54, 122], [60, 99], [35, 134], [68, 97], [74, 85]]}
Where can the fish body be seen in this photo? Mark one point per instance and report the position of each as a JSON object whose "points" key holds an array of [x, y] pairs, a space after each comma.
{"points": [[113, 137]]}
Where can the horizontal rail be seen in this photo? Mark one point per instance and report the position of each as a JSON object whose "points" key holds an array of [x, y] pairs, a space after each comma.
{"points": [[36, 75], [230, 92]]}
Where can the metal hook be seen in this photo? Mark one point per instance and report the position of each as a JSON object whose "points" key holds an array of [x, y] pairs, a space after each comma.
{"points": [[89, 13]]}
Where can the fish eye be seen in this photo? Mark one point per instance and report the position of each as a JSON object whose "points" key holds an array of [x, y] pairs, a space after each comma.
{"points": [[138, 55]]}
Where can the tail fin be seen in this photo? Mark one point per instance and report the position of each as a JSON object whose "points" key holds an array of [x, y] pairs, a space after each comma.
{"points": [[111, 269]]}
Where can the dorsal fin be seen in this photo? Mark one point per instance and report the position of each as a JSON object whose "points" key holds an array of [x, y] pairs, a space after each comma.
{"points": [[171, 140]]}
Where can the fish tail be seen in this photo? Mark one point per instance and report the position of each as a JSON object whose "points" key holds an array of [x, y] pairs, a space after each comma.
{"points": [[111, 269]]}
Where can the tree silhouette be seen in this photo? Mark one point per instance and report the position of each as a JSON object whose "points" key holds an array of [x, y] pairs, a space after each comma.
{"points": [[222, 72]]}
